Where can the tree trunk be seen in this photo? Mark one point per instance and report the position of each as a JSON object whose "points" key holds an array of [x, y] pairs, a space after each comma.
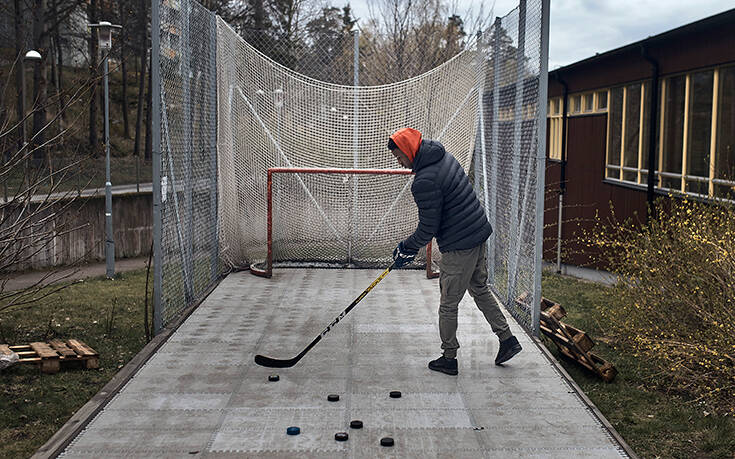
{"points": [[59, 71], [19, 50], [40, 82], [54, 83], [142, 52], [92, 48], [123, 22]]}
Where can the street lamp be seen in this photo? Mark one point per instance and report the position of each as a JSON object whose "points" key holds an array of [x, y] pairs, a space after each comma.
{"points": [[34, 57], [104, 37]]}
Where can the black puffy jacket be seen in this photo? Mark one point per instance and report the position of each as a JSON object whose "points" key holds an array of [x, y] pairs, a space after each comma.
{"points": [[448, 207]]}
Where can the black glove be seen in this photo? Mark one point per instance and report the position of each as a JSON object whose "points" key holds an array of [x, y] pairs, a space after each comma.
{"points": [[401, 256]]}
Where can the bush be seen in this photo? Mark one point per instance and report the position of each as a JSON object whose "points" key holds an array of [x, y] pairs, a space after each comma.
{"points": [[674, 302]]}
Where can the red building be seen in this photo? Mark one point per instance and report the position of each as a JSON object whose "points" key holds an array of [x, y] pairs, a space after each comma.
{"points": [[666, 103]]}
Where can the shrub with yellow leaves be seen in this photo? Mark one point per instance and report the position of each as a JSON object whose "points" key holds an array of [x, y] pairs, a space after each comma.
{"points": [[674, 302]]}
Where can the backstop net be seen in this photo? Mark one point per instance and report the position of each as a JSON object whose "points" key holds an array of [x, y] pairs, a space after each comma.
{"points": [[228, 114]]}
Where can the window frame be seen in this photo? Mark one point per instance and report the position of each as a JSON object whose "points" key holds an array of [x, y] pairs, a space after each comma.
{"points": [[555, 118], [686, 150]]}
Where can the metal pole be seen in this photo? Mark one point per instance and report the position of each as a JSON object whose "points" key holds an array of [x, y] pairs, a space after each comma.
{"points": [[494, 150], [540, 165], [188, 163], [22, 116], [156, 157], [110, 242], [356, 139], [563, 179], [516, 151], [483, 149], [214, 195]]}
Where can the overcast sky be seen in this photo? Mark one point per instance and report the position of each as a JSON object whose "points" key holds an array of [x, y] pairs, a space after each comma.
{"points": [[581, 28]]}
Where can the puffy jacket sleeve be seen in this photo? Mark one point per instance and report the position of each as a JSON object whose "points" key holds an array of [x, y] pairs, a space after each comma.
{"points": [[428, 199]]}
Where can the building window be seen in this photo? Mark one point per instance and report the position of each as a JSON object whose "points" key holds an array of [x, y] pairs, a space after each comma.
{"points": [[672, 132], [699, 133], [724, 175], [555, 127], [696, 133], [575, 104], [590, 103], [614, 133], [627, 144]]}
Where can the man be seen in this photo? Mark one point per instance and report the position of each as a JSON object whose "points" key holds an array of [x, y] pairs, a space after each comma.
{"points": [[449, 211]]}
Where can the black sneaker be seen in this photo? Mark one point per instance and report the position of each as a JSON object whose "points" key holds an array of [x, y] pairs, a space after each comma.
{"points": [[445, 365], [508, 348]]}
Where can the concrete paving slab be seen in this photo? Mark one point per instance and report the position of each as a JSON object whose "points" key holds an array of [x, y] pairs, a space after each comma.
{"points": [[202, 394]]}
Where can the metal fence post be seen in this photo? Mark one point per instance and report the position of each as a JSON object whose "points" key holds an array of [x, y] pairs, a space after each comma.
{"points": [[515, 239], [494, 147], [110, 242], [213, 146], [188, 163], [356, 140], [540, 165]]}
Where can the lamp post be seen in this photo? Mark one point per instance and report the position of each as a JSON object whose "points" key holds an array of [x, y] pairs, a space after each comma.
{"points": [[104, 36], [30, 56]]}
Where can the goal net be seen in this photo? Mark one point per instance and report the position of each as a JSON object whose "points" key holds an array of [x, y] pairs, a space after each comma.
{"points": [[228, 113], [330, 217]]}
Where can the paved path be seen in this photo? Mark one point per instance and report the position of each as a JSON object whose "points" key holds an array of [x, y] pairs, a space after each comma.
{"points": [[67, 274], [201, 395]]}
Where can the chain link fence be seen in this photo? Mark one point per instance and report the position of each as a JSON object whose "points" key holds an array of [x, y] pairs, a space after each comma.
{"points": [[232, 108]]}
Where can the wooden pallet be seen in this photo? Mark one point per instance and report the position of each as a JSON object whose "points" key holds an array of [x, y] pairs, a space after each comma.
{"points": [[52, 355], [572, 342]]}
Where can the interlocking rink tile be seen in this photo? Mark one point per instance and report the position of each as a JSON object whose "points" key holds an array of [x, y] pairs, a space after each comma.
{"points": [[202, 394]]}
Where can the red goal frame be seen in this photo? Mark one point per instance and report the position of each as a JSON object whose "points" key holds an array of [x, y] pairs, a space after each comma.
{"points": [[268, 271]]}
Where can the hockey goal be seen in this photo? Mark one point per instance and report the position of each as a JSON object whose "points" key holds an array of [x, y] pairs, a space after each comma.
{"points": [[329, 217]]}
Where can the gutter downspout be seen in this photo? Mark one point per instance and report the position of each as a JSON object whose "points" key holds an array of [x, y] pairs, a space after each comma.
{"points": [[652, 125], [563, 178]]}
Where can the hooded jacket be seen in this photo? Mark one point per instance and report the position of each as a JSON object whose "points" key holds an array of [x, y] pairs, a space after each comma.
{"points": [[448, 207]]}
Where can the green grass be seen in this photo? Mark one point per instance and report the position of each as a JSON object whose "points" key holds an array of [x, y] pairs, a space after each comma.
{"points": [[653, 423], [36, 405]]}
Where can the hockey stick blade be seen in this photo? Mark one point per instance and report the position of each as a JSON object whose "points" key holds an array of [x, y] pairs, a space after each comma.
{"points": [[287, 363], [264, 361]]}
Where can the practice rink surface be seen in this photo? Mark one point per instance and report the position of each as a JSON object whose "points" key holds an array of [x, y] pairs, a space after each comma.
{"points": [[201, 394]]}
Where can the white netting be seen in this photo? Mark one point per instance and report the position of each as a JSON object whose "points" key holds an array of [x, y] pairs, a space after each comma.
{"points": [[484, 105], [189, 256], [273, 117]]}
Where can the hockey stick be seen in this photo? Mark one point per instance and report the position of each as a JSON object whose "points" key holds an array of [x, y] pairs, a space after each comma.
{"points": [[277, 363]]}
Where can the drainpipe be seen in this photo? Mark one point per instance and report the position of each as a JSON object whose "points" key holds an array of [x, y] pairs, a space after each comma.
{"points": [[563, 178], [652, 125]]}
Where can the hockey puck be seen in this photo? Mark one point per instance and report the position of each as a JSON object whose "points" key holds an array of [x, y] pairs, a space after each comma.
{"points": [[273, 378], [293, 430], [355, 424], [341, 436], [386, 441], [395, 394], [333, 397]]}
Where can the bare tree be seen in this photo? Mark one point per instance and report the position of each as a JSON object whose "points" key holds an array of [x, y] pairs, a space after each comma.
{"points": [[142, 31], [93, 74], [40, 81], [40, 201], [122, 6], [404, 38], [19, 26]]}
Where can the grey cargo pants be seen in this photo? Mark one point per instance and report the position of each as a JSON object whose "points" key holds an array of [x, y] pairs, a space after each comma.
{"points": [[462, 270]]}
